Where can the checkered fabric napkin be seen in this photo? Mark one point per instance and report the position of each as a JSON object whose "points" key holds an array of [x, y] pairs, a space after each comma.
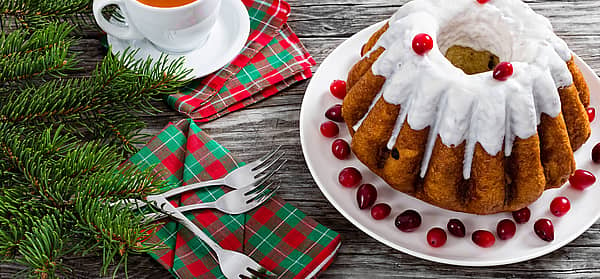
{"points": [[276, 235], [273, 59]]}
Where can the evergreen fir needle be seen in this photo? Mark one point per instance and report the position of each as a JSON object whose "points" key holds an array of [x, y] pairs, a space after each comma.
{"points": [[63, 140]]}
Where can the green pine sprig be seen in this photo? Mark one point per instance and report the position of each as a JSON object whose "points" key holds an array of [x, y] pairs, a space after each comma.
{"points": [[43, 247], [105, 105], [117, 232], [65, 183], [64, 135], [35, 14], [25, 55]]}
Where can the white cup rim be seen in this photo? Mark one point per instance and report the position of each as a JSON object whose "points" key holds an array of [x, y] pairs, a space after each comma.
{"points": [[196, 2]]}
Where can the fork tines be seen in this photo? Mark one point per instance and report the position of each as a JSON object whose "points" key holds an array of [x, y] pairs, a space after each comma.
{"points": [[265, 161], [262, 193]]}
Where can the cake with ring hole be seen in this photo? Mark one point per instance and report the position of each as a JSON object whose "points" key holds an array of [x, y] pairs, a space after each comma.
{"points": [[470, 105]]}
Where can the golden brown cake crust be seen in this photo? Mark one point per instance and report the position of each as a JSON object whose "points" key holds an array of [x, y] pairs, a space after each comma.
{"points": [[497, 183], [361, 68], [525, 173], [471, 61], [403, 167], [579, 81], [365, 64], [575, 115], [556, 153], [371, 139], [373, 39], [444, 176], [487, 192], [358, 99]]}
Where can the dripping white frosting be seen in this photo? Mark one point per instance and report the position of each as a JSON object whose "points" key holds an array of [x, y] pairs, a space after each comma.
{"points": [[476, 108]]}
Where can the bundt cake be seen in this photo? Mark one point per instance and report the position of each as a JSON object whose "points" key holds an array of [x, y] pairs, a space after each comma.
{"points": [[433, 110]]}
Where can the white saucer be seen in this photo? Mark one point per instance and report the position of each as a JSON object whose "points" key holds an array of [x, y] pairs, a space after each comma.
{"points": [[324, 167], [226, 41]]}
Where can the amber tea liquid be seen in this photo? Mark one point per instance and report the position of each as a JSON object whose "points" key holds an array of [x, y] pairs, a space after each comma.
{"points": [[166, 3]]}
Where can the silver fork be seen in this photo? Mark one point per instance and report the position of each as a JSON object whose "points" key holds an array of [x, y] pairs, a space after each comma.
{"points": [[233, 264], [256, 173], [235, 202], [251, 173]]}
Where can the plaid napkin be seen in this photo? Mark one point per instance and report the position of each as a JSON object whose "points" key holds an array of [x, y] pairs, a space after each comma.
{"points": [[276, 235], [273, 59]]}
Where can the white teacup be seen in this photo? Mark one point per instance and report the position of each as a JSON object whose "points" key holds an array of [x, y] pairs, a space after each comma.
{"points": [[173, 29]]}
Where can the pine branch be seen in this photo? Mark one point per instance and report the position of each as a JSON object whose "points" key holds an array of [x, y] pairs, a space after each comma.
{"points": [[121, 129], [20, 41], [43, 8], [16, 217], [35, 14], [74, 183], [63, 139], [45, 51], [118, 91], [117, 232], [43, 247]]}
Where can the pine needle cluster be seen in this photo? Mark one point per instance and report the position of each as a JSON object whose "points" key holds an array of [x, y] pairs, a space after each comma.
{"points": [[63, 139], [55, 196], [33, 14]]}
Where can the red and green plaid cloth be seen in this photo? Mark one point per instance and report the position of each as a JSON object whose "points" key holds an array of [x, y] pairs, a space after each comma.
{"points": [[276, 235], [273, 59]]}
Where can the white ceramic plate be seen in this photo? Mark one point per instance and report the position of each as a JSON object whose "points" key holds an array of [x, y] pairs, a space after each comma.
{"points": [[228, 37], [457, 251]]}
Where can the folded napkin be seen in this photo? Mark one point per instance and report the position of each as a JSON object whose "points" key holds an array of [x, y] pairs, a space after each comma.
{"points": [[276, 235], [273, 59]]}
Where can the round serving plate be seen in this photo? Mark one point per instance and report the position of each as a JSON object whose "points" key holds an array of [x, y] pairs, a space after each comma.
{"points": [[325, 168]]}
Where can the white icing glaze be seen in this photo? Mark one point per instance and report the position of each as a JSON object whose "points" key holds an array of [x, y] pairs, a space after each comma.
{"points": [[471, 108]]}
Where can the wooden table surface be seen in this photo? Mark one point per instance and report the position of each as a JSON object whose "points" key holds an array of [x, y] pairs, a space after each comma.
{"points": [[322, 25]]}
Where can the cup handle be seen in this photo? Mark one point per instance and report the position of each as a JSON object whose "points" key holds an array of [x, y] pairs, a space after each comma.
{"points": [[128, 32]]}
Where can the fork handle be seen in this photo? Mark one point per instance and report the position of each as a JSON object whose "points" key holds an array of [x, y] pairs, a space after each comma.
{"points": [[195, 186], [191, 226], [204, 205]]}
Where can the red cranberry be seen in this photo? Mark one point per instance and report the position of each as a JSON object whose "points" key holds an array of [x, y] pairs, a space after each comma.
{"points": [[522, 216], [591, 114], [340, 149], [329, 129], [483, 238], [483, 1], [456, 228], [380, 211], [335, 113], [338, 89], [506, 229], [560, 206], [408, 221], [596, 154], [350, 177], [436, 237], [422, 43], [582, 179], [544, 229], [503, 71], [366, 196]]}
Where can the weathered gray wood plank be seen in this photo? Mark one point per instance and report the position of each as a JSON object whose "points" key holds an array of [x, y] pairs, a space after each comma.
{"points": [[322, 25], [343, 20]]}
